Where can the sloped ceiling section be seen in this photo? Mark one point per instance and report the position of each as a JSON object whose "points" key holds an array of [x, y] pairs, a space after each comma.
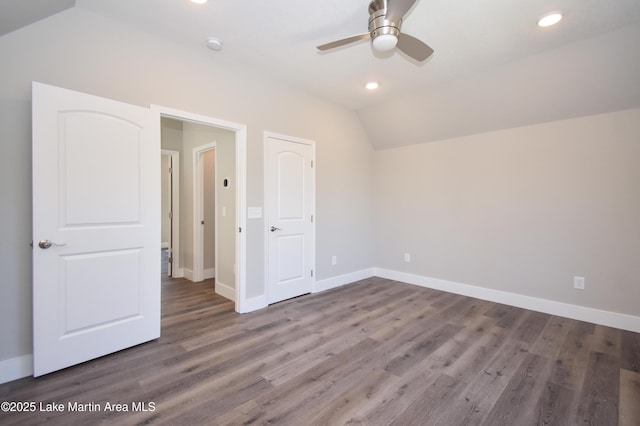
{"points": [[592, 76], [15, 14]]}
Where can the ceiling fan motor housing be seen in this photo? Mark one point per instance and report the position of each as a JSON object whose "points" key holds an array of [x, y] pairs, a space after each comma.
{"points": [[378, 22]]}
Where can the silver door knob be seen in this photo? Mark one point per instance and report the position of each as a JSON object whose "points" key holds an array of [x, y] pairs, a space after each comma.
{"points": [[274, 229], [45, 244]]}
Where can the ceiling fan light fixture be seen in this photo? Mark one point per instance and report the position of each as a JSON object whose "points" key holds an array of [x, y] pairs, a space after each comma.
{"points": [[549, 19], [385, 42], [199, 1], [372, 85]]}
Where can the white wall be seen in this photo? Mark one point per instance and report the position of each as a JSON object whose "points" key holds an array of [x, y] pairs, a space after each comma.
{"points": [[82, 51], [521, 210]]}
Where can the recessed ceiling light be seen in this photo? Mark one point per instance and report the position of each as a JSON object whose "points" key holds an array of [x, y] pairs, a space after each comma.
{"points": [[549, 19], [372, 85], [199, 1]]}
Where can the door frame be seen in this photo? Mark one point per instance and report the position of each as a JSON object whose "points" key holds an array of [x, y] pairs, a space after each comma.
{"points": [[268, 196], [198, 212], [176, 269], [240, 131]]}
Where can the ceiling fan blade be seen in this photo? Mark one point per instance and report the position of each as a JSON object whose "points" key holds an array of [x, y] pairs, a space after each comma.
{"points": [[413, 47], [396, 9], [344, 41]]}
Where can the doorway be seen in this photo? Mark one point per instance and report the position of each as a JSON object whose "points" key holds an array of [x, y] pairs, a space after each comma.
{"points": [[235, 285]]}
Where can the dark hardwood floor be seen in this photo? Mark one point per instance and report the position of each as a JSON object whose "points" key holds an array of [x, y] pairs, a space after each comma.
{"points": [[374, 352]]}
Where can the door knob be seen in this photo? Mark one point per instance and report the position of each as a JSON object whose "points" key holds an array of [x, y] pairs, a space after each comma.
{"points": [[45, 244], [274, 229]]}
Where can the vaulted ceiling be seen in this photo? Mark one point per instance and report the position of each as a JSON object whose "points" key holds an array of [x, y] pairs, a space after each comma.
{"points": [[493, 67]]}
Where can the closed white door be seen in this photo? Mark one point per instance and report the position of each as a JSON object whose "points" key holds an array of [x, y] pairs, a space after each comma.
{"points": [[96, 227], [290, 186]]}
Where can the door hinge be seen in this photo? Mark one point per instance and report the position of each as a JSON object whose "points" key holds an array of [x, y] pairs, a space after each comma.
{"points": [[312, 272], [311, 218], [170, 170], [312, 164], [170, 260], [170, 215], [239, 230]]}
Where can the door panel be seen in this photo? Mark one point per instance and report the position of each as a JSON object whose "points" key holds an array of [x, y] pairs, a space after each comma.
{"points": [[113, 295], [290, 185], [95, 146], [96, 197], [290, 209], [290, 248]]}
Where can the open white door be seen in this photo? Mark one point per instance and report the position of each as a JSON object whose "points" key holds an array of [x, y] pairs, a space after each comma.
{"points": [[96, 227], [290, 189]]}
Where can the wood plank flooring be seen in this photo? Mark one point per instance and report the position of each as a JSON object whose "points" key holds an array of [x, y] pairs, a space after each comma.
{"points": [[374, 352]]}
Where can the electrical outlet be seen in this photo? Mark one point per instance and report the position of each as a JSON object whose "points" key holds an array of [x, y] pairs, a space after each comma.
{"points": [[578, 283], [334, 260], [407, 257]]}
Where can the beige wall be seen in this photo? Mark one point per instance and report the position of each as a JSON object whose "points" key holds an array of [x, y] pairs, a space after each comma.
{"points": [[209, 209], [226, 208], [165, 177], [82, 51], [521, 210]]}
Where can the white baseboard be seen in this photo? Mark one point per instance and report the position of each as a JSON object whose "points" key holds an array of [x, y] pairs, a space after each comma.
{"points": [[16, 368], [226, 291], [187, 273], [251, 304], [582, 313], [341, 280], [178, 273]]}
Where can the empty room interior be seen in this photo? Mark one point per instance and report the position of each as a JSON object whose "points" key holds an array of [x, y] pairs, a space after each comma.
{"points": [[408, 212]]}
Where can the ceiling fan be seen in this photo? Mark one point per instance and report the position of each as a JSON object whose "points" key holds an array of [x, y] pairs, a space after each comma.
{"points": [[385, 19]]}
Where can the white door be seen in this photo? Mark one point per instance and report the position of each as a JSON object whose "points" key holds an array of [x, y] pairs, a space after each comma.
{"points": [[290, 193], [96, 227]]}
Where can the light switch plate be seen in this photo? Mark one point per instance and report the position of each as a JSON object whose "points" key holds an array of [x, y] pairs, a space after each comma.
{"points": [[254, 213]]}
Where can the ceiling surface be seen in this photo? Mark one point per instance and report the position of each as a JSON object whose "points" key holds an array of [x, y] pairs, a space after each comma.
{"points": [[493, 67]]}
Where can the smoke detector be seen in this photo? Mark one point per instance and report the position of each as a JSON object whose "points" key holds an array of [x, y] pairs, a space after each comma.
{"points": [[214, 43]]}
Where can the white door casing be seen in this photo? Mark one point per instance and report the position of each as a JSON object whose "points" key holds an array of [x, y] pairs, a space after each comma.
{"points": [[96, 197], [174, 268], [290, 209]]}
